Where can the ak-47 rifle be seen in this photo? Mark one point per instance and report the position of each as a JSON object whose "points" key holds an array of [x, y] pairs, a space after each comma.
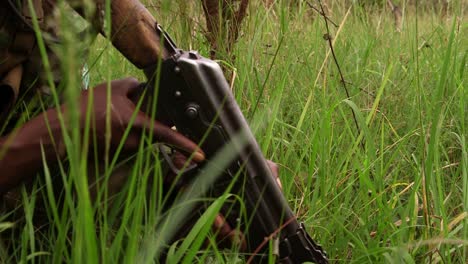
{"points": [[195, 97]]}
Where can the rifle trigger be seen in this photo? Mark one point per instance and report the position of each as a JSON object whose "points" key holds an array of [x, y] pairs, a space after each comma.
{"points": [[167, 153]]}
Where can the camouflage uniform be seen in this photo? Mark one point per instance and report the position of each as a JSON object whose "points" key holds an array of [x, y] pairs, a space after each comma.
{"points": [[20, 63]]}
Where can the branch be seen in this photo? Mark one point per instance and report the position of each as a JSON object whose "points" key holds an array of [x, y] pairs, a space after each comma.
{"points": [[328, 37]]}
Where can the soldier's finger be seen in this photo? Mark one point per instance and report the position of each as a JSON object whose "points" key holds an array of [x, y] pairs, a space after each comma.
{"points": [[226, 236], [275, 171], [171, 137], [179, 160]]}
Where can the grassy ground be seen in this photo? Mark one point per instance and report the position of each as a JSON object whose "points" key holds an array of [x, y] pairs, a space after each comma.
{"points": [[395, 191]]}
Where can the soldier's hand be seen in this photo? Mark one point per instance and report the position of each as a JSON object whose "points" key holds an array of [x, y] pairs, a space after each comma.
{"points": [[109, 115], [121, 111]]}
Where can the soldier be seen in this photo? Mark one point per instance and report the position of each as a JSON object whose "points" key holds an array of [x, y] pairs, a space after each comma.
{"points": [[22, 76]]}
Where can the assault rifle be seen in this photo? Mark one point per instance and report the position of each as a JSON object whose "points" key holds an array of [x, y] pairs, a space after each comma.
{"points": [[195, 97]]}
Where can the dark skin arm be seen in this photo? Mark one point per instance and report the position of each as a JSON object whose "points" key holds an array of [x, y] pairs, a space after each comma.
{"points": [[21, 155], [20, 152], [134, 36]]}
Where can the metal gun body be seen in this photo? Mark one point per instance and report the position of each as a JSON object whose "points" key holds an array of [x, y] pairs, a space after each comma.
{"points": [[196, 98]]}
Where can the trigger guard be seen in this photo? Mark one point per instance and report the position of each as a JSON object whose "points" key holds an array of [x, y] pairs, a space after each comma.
{"points": [[166, 152]]}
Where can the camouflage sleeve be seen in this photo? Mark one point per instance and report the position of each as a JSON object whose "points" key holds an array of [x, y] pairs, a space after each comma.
{"points": [[132, 31]]}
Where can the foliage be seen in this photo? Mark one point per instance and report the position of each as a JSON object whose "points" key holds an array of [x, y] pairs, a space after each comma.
{"points": [[395, 191]]}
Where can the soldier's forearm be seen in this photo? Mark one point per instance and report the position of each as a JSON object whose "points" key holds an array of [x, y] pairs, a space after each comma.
{"points": [[133, 33], [22, 152]]}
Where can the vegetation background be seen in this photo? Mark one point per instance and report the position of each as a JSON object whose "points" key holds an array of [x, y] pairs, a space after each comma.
{"points": [[394, 191]]}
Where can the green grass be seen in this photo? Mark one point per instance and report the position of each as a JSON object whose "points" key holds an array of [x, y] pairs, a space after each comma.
{"points": [[396, 191]]}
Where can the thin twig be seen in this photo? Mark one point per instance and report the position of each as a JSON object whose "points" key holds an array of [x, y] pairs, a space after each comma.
{"points": [[268, 238], [321, 13], [328, 37]]}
